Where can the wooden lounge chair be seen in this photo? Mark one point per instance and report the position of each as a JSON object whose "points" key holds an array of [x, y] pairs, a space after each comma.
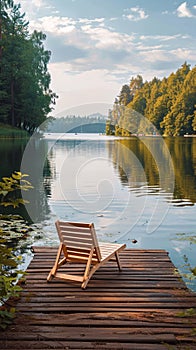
{"points": [[78, 243]]}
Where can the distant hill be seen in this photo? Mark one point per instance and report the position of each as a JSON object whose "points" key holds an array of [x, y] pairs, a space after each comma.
{"points": [[93, 123]]}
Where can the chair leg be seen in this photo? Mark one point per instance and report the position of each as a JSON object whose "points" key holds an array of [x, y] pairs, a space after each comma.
{"points": [[55, 267], [84, 284], [87, 273], [95, 268], [118, 261], [91, 272]]}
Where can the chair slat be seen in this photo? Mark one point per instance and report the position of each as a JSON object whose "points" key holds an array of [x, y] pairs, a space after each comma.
{"points": [[76, 224], [69, 239], [80, 235], [84, 255], [73, 229], [73, 245], [108, 248]]}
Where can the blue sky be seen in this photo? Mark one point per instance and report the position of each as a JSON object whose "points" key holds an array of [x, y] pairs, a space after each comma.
{"points": [[98, 45]]}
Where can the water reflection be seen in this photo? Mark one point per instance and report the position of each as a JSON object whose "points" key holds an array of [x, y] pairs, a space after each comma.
{"points": [[36, 164], [183, 152], [183, 155], [11, 151], [133, 162]]}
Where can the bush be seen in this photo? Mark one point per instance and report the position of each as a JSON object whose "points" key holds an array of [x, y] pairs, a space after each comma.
{"points": [[12, 228]]}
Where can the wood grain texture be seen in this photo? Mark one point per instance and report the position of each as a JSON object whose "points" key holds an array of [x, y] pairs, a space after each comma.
{"points": [[145, 306]]}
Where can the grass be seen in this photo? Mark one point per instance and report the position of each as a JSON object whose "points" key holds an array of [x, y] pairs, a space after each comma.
{"points": [[7, 131]]}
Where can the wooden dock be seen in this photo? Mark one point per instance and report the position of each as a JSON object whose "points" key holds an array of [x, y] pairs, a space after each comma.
{"points": [[146, 307]]}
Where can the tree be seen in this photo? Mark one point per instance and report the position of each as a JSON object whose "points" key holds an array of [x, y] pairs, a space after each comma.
{"points": [[4, 20], [37, 96], [194, 122], [154, 94], [25, 94], [15, 47], [178, 120], [139, 102], [4, 5], [135, 85], [125, 96]]}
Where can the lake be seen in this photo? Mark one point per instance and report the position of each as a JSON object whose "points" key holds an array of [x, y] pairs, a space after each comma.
{"points": [[139, 189]]}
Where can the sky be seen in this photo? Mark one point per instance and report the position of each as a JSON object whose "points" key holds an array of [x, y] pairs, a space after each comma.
{"points": [[99, 45]]}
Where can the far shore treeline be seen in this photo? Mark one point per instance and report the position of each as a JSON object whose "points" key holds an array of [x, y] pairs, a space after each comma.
{"points": [[25, 95], [169, 104], [93, 123]]}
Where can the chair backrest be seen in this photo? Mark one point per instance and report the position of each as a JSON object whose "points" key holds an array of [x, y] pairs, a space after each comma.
{"points": [[79, 238]]}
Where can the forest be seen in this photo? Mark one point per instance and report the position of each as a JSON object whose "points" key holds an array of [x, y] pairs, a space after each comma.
{"points": [[94, 123], [161, 106], [25, 95]]}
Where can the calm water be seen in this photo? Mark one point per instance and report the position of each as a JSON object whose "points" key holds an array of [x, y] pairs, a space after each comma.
{"points": [[131, 189]]}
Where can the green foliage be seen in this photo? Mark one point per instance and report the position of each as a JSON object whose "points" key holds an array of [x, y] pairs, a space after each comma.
{"points": [[25, 94], [12, 228], [189, 271], [8, 279], [10, 187], [7, 131], [110, 130], [187, 237], [125, 95], [6, 317], [169, 104], [187, 313]]}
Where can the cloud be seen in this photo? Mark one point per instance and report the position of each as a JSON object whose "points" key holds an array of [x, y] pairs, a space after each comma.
{"points": [[136, 14], [84, 33], [54, 24], [164, 37], [184, 11], [73, 31], [35, 3], [184, 54], [60, 25], [88, 45], [154, 55], [113, 19], [159, 56], [105, 38], [89, 21], [30, 7]]}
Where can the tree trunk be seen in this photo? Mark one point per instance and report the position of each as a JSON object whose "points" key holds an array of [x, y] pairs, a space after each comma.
{"points": [[0, 31], [12, 103]]}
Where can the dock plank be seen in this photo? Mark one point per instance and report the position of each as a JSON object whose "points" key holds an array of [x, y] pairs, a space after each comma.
{"points": [[145, 306]]}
